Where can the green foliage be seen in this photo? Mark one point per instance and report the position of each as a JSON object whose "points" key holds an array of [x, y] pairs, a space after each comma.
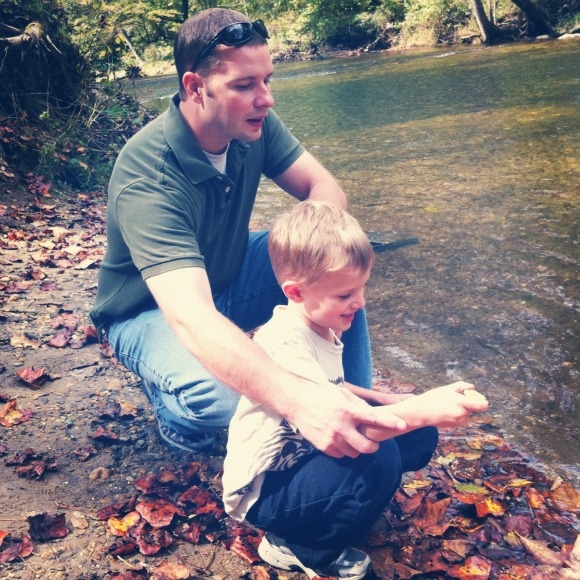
{"points": [[433, 21], [100, 26], [336, 22]]}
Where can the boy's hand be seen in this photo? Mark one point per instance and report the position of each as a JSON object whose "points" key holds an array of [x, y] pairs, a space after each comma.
{"points": [[447, 406], [450, 405]]}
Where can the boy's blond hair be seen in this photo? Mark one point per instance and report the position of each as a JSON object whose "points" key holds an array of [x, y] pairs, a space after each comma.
{"points": [[317, 237]]}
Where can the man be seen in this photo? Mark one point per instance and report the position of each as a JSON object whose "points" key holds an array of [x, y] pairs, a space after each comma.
{"points": [[182, 280]]}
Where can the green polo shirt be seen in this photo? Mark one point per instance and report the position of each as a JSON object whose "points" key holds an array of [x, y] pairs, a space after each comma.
{"points": [[169, 208]]}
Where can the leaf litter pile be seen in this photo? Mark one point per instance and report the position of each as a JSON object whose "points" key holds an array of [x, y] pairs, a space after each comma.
{"points": [[88, 490]]}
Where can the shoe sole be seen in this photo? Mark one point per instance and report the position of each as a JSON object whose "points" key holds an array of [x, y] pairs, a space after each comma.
{"points": [[265, 551]]}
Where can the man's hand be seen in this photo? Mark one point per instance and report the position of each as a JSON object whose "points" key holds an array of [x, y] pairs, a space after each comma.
{"points": [[329, 417]]}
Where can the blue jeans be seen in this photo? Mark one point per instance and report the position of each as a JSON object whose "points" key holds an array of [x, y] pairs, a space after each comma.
{"points": [[185, 396], [323, 505]]}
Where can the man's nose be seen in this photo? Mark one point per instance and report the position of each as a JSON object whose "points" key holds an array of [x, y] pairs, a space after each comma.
{"points": [[265, 98]]}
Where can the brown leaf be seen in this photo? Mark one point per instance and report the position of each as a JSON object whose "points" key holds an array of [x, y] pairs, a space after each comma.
{"points": [[244, 550], [47, 526], [474, 568], [430, 517], [455, 550], [10, 415], [60, 339], [119, 508], [36, 469], [171, 571], [123, 546], [573, 559], [534, 497], [150, 540], [489, 506], [86, 452], [19, 548], [541, 552], [566, 498], [105, 435], [120, 527], [159, 512], [35, 378], [21, 457], [260, 573]]}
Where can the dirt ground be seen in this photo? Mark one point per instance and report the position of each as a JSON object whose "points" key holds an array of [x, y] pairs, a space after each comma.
{"points": [[83, 404]]}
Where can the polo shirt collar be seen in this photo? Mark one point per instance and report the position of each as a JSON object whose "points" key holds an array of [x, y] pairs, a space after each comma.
{"points": [[189, 154]]}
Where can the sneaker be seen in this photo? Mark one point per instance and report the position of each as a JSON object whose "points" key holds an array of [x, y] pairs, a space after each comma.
{"points": [[352, 563], [192, 442]]}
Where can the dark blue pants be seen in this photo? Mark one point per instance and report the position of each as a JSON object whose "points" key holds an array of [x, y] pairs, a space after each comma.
{"points": [[323, 505]]}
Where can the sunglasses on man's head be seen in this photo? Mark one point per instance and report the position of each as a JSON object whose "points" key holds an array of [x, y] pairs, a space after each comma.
{"points": [[234, 34]]}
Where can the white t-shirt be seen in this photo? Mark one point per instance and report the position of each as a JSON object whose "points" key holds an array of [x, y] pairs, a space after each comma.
{"points": [[260, 440]]}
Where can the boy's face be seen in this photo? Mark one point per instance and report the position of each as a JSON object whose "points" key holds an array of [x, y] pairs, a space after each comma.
{"points": [[333, 300]]}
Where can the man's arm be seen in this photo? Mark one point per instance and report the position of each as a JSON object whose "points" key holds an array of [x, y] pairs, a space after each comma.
{"points": [[328, 417], [306, 178]]}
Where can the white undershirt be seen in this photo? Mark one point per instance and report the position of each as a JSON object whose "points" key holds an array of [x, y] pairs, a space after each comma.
{"points": [[219, 160]]}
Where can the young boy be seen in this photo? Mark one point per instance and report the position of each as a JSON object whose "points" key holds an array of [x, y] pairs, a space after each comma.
{"points": [[314, 507]]}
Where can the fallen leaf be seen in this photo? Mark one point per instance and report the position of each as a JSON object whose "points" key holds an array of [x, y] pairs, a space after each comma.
{"points": [[34, 378], [541, 552], [171, 571], [47, 526], [566, 498], [474, 568], [10, 415], [19, 548], [159, 512], [120, 527]]}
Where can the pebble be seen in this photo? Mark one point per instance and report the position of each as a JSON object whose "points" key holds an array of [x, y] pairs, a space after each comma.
{"points": [[115, 385], [100, 473]]}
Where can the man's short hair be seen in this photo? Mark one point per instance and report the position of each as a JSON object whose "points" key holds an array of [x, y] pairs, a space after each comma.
{"points": [[317, 237], [196, 32]]}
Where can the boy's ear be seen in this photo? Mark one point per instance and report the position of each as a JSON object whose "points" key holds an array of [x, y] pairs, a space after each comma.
{"points": [[292, 291]]}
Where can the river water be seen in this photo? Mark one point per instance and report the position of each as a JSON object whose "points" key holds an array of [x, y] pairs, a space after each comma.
{"points": [[476, 152]]}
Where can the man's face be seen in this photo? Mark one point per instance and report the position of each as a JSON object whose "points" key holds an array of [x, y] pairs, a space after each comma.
{"points": [[333, 300], [237, 96]]}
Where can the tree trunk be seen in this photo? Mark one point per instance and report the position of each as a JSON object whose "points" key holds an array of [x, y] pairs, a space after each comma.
{"points": [[185, 9], [538, 21], [131, 47], [488, 31]]}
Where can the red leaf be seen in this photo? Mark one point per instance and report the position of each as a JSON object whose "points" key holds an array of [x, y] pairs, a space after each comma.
{"points": [[474, 568], [47, 526], [34, 378], [105, 435], [245, 551], [159, 512], [60, 339], [10, 415], [20, 548], [119, 508]]}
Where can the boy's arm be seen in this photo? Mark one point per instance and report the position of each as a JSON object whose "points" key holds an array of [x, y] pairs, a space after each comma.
{"points": [[376, 398], [328, 417], [448, 406]]}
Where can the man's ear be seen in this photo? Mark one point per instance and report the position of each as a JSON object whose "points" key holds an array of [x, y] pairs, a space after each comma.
{"points": [[292, 290], [192, 83]]}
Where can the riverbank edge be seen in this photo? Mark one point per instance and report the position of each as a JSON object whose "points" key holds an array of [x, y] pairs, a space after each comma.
{"points": [[166, 68]]}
